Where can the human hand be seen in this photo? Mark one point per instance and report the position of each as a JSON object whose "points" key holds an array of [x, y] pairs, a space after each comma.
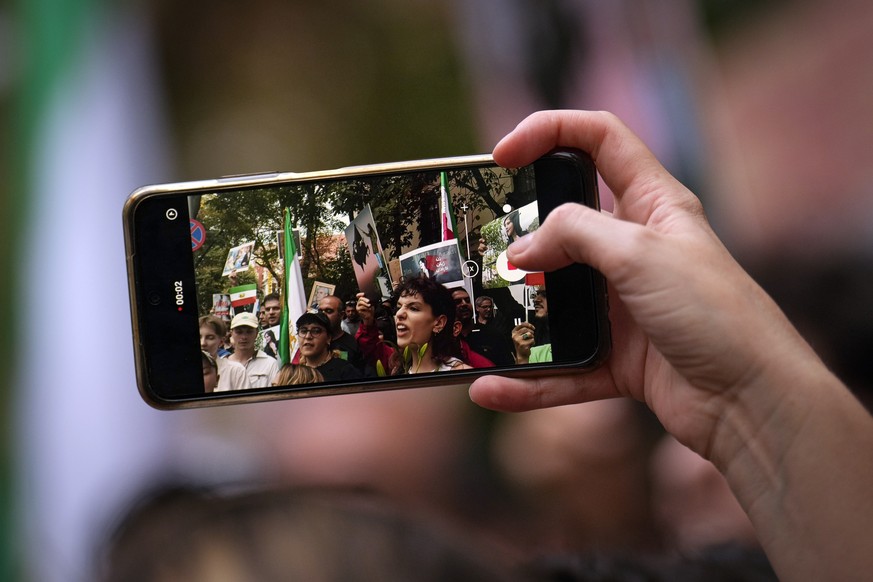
{"points": [[482, 248], [707, 350], [690, 328], [523, 339], [365, 310]]}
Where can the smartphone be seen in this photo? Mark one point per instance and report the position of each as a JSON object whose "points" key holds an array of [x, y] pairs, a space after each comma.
{"points": [[282, 261]]}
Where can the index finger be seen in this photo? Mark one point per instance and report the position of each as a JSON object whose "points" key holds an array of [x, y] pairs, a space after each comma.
{"points": [[621, 158]]}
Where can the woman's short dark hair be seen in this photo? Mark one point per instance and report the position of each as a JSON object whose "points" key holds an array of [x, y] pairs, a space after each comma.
{"points": [[443, 344]]}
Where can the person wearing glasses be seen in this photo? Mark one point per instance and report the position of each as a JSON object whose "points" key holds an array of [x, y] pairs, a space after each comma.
{"points": [[313, 333], [340, 341]]}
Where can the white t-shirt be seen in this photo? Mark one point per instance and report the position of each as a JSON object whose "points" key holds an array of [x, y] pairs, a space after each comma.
{"points": [[231, 376], [261, 369]]}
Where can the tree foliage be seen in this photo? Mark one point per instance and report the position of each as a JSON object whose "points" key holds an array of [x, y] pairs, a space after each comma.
{"points": [[405, 208]]}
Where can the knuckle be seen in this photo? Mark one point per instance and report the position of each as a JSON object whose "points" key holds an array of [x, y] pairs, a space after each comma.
{"points": [[564, 216], [693, 206], [607, 117], [631, 254]]}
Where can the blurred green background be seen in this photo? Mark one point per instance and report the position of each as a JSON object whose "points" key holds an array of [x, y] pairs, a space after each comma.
{"points": [[761, 107]]}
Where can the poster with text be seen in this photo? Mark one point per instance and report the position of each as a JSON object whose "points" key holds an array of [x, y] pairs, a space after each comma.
{"points": [[440, 261], [221, 305]]}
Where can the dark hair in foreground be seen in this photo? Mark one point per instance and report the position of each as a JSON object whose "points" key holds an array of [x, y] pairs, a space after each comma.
{"points": [[183, 534], [721, 563], [443, 345]]}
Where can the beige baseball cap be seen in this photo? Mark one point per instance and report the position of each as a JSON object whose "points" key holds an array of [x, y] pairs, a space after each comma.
{"points": [[244, 318]]}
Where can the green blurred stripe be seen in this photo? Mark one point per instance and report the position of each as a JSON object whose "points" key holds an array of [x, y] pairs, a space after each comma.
{"points": [[51, 34]]}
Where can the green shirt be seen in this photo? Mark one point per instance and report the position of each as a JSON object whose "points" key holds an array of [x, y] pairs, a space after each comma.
{"points": [[539, 354]]}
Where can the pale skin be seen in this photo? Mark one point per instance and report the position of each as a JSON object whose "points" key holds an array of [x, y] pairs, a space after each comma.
{"points": [[332, 307], [523, 340], [364, 309], [209, 340], [210, 377], [314, 345], [415, 323], [704, 346], [243, 338], [272, 312], [523, 334]]}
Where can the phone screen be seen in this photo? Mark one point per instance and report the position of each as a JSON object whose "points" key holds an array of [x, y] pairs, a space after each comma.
{"points": [[357, 281]]}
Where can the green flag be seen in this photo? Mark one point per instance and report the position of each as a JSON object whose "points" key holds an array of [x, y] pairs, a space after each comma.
{"points": [[294, 301]]}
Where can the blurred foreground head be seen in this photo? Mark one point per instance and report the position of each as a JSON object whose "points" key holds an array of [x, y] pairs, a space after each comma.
{"points": [[332, 535], [185, 534]]}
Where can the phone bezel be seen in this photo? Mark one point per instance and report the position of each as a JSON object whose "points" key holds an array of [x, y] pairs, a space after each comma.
{"points": [[147, 362]]}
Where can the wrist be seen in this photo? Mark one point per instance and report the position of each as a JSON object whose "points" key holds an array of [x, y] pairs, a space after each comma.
{"points": [[758, 422], [794, 448]]}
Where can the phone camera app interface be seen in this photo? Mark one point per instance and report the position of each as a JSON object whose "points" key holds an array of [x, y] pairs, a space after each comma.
{"points": [[362, 278]]}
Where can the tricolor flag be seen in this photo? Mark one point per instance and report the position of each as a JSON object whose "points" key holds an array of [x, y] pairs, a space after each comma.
{"points": [[294, 301], [89, 129], [446, 212], [243, 298]]}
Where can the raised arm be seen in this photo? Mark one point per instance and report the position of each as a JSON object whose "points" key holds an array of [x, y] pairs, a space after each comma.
{"points": [[705, 347]]}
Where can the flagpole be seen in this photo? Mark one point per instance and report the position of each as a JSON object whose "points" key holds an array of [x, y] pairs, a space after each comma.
{"points": [[466, 229]]}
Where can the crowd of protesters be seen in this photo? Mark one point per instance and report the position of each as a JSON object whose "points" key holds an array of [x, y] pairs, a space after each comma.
{"points": [[423, 327]]}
